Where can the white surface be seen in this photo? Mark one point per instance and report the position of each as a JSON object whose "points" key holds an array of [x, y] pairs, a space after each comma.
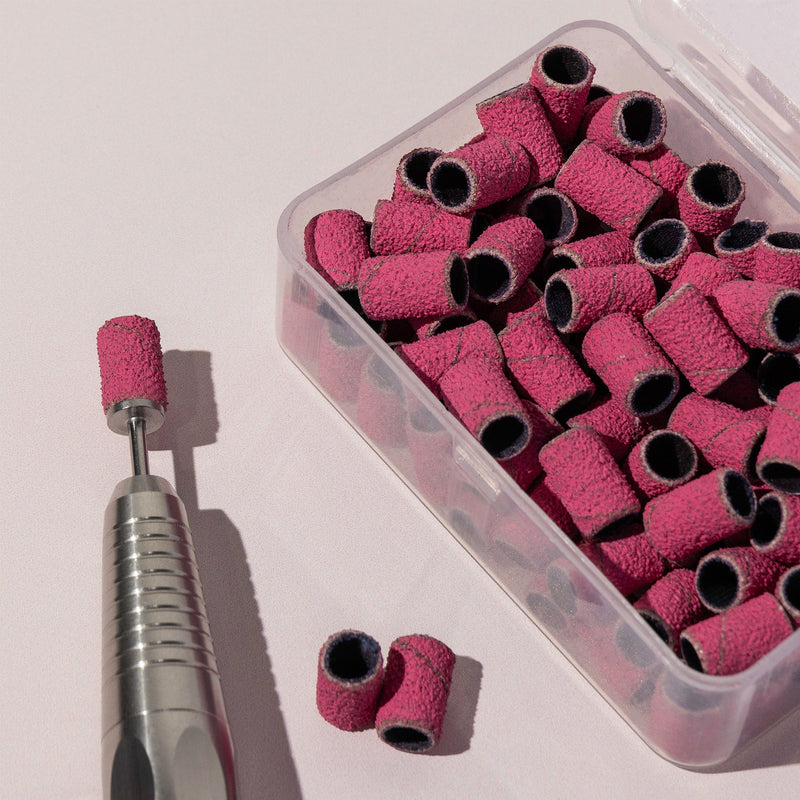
{"points": [[146, 152]]}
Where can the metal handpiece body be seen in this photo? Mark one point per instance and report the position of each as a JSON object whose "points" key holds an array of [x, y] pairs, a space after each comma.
{"points": [[165, 732]]}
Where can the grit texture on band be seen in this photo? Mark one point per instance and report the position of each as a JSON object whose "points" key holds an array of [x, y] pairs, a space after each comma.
{"points": [[431, 357], [131, 364], [502, 258], [600, 250], [666, 169], [413, 285], [478, 394], [629, 561], [778, 462], [402, 226], [518, 114], [690, 519], [696, 339], [349, 680], [777, 259], [661, 461], [705, 272], [664, 246], [710, 198], [724, 434], [630, 363], [613, 421], [582, 473], [336, 243], [671, 605], [552, 212], [604, 186], [788, 593], [776, 528], [411, 175], [479, 174], [763, 315], [732, 575], [775, 372], [629, 123], [562, 76], [542, 365], [739, 244], [416, 686], [730, 642], [577, 298], [525, 467]]}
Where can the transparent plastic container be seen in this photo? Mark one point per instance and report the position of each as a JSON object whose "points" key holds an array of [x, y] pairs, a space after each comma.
{"points": [[718, 107]]}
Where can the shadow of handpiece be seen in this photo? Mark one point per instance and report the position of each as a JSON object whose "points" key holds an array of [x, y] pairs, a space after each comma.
{"points": [[264, 762]]}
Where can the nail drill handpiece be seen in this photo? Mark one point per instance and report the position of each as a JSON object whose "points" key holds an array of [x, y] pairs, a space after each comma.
{"points": [[165, 732]]}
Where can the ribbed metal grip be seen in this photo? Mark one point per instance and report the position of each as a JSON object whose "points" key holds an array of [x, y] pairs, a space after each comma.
{"points": [[165, 733]]}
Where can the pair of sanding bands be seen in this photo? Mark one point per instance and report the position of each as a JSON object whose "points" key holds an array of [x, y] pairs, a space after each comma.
{"points": [[592, 311], [405, 699]]}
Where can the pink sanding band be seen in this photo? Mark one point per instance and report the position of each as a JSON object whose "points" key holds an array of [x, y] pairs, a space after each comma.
{"points": [[763, 315], [739, 244], [732, 575], [131, 365], [630, 562], [630, 363], [664, 246], [413, 703], [525, 467], [604, 186], [661, 461], [477, 392], [629, 123], [411, 175], [724, 434], [777, 259], [335, 245], [710, 198], [502, 257], [705, 271], [413, 285], [581, 472], [666, 169], [577, 298], [431, 357], [562, 76], [617, 426], [671, 604], [696, 339], [778, 462], [601, 250], [548, 501], [400, 226], [541, 364], [788, 593], [349, 680], [552, 212], [518, 114], [776, 528], [479, 174], [686, 521], [734, 640]]}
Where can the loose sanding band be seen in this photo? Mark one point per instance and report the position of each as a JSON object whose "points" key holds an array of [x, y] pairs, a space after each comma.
{"points": [[553, 213], [763, 315], [661, 461], [600, 250], [416, 686], [777, 259], [613, 421], [630, 363], [687, 521], [710, 198], [581, 472], [778, 461], [336, 242], [562, 76], [775, 372], [629, 123], [788, 593], [696, 339], [411, 175], [739, 244], [705, 272], [730, 642], [732, 575], [671, 605], [664, 246], [131, 365], [349, 680], [776, 528]]}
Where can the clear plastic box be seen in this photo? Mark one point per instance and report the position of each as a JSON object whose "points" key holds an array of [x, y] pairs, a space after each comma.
{"points": [[691, 719]]}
